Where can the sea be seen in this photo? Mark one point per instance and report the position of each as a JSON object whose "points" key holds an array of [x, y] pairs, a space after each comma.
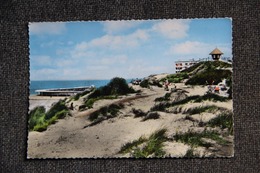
{"points": [[55, 84]]}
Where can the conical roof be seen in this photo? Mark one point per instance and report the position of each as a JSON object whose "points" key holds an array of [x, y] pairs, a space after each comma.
{"points": [[216, 52]]}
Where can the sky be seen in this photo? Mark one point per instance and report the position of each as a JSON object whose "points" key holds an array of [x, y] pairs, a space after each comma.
{"points": [[88, 50]]}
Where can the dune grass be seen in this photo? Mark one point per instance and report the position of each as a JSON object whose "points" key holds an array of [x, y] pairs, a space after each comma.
{"points": [[194, 139], [126, 148], [77, 96], [104, 113], [196, 98], [223, 120], [89, 102], [166, 97], [201, 109], [39, 120], [151, 115], [152, 146], [190, 153]]}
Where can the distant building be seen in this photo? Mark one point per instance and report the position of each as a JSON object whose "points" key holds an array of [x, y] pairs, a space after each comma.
{"points": [[216, 55], [181, 65]]}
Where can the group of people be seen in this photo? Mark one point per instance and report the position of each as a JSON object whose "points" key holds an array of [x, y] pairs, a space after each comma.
{"points": [[167, 84], [216, 88], [136, 81]]}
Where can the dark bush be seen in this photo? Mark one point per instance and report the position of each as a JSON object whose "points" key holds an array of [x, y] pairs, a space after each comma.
{"points": [[119, 86], [82, 107], [161, 106], [151, 115], [230, 93], [138, 113], [144, 83], [116, 86]]}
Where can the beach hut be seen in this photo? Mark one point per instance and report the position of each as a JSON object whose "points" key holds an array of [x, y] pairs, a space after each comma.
{"points": [[216, 54]]}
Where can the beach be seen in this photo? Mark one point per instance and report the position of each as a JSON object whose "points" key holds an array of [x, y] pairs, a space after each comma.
{"points": [[75, 137]]}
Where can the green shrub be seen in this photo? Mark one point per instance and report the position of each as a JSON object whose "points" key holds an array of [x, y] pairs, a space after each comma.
{"points": [[209, 75], [39, 120], [175, 78], [41, 127], [61, 114], [59, 106], [89, 103], [36, 116], [192, 68]]}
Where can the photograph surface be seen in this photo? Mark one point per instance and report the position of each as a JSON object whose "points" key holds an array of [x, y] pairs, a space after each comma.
{"points": [[131, 89]]}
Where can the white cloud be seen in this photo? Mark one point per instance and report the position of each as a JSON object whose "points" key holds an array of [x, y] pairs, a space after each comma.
{"points": [[43, 74], [112, 27], [71, 73], [66, 63], [197, 49], [115, 42], [119, 59], [109, 42], [52, 28], [41, 60], [173, 29], [190, 47]]}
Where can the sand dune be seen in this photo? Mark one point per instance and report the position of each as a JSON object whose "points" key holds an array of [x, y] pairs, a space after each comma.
{"points": [[69, 139]]}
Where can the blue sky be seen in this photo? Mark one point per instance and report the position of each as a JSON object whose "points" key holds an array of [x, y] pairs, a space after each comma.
{"points": [[128, 49]]}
